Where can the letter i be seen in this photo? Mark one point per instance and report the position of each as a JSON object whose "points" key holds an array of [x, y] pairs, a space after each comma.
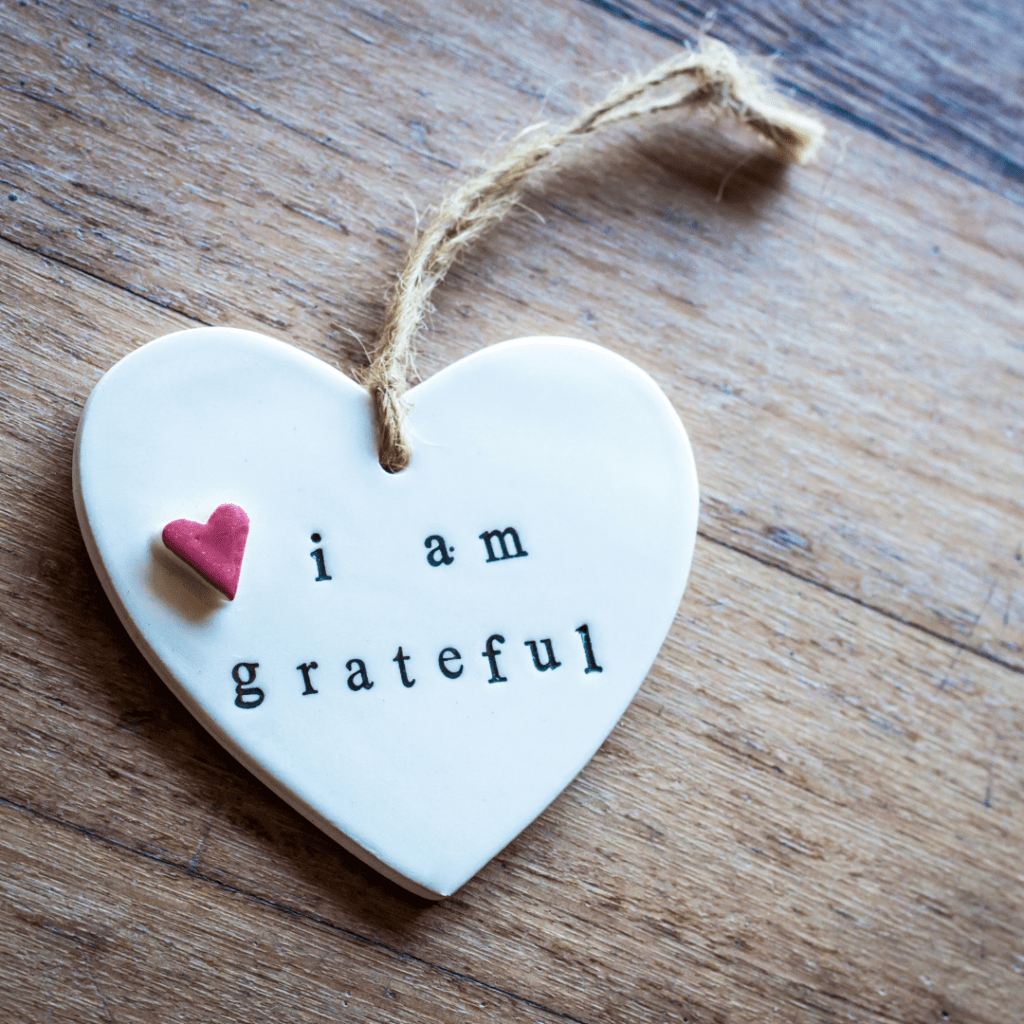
{"points": [[318, 554]]}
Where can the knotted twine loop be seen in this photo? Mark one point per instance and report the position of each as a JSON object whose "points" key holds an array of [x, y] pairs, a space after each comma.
{"points": [[709, 76]]}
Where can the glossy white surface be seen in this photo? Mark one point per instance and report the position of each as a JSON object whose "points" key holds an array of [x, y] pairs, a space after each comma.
{"points": [[571, 445]]}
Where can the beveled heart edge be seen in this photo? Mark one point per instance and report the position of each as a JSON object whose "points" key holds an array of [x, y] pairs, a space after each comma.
{"points": [[253, 765]]}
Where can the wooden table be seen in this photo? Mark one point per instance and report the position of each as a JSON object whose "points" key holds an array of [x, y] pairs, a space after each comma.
{"points": [[813, 809]]}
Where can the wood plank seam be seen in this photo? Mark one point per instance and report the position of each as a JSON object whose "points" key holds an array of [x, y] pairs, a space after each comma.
{"points": [[180, 40], [280, 121], [840, 112], [992, 157], [306, 918], [127, 289], [821, 585]]}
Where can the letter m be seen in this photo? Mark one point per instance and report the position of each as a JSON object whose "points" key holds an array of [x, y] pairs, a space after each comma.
{"points": [[489, 536]]}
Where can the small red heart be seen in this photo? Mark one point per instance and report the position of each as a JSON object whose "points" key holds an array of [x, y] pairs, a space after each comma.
{"points": [[215, 548]]}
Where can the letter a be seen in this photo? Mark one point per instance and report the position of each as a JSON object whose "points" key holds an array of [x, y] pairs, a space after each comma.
{"points": [[439, 553], [360, 674]]}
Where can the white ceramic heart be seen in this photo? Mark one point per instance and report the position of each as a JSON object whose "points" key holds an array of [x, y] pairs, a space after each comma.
{"points": [[572, 446]]}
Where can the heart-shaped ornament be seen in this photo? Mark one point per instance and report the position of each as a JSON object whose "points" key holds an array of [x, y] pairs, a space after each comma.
{"points": [[420, 662]]}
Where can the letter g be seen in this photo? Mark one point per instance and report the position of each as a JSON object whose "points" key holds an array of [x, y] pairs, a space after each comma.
{"points": [[246, 695]]}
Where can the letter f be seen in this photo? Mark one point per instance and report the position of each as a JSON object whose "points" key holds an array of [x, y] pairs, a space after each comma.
{"points": [[492, 657]]}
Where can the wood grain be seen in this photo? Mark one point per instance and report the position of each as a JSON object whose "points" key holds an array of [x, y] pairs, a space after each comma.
{"points": [[196, 950], [942, 80], [812, 812]]}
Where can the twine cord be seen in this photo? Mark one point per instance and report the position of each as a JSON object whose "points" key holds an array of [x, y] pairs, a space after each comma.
{"points": [[708, 76]]}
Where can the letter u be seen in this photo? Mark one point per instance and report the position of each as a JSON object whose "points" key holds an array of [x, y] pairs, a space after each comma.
{"points": [[550, 663]]}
